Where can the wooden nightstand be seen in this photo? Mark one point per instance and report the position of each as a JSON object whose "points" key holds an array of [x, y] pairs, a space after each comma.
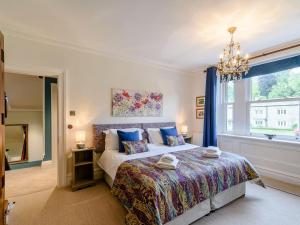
{"points": [[188, 139], [83, 168]]}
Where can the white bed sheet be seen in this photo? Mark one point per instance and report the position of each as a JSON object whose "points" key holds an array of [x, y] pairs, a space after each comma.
{"points": [[110, 160]]}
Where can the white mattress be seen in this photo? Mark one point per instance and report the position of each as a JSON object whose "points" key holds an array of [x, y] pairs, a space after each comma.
{"points": [[110, 160]]}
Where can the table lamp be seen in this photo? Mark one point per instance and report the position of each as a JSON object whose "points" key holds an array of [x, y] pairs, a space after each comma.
{"points": [[80, 139], [184, 130]]}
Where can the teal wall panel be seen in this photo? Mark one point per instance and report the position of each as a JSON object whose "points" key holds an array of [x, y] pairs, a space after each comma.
{"points": [[25, 165], [47, 111]]}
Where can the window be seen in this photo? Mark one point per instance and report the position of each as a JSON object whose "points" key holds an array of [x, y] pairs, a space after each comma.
{"points": [[229, 102], [281, 123], [281, 111], [266, 104], [229, 117], [276, 94], [259, 123]]}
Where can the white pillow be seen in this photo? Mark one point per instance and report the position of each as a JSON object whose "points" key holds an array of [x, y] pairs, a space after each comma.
{"points": [[154, 135], [112, 138]]}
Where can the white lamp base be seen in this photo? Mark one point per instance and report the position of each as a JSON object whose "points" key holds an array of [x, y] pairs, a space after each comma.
{"points": [[80, 145], [184, 134]]}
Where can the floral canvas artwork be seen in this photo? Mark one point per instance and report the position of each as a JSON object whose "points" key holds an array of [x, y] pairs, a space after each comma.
{"points": [[136, 103]]}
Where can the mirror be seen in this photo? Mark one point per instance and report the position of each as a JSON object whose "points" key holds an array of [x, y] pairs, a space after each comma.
{"points": [[16, 142]]}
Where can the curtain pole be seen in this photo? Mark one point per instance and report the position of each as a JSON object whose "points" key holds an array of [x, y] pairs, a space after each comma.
{"points": [[275, 51]]}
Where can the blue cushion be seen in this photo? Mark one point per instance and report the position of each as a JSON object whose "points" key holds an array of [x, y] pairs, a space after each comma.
{"points": [[168, 132], [126, 136]]}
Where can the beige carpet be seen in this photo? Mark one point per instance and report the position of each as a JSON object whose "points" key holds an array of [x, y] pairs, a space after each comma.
{"points": [[259, 207], [29, 180], [96, 206]]}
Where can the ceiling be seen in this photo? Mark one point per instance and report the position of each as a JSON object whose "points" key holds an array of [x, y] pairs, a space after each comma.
{"points": [[24, 92], [184, 34]]}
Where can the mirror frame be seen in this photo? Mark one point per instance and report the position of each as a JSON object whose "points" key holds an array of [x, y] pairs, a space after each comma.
{"points": [[26, 142]]}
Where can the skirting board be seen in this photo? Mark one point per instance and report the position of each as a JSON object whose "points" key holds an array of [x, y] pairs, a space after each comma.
{"points": [[278, 175], [46, 163], [25, 164]]}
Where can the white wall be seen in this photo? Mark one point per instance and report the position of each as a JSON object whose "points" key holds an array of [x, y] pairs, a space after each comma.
{"points": [[277, 159], [90, 92], [24, 91], [198, 90], [34, 119], [91, 77]]}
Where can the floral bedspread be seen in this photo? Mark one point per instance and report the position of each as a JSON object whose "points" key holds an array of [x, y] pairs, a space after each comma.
{"points": [[156, 196]]}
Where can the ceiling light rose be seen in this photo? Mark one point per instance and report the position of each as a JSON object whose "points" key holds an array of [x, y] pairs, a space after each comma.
{"points": [[232, 64]]}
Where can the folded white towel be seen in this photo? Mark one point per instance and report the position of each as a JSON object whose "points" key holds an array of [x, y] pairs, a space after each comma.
{"points": [[168, 158], [168, 166], [211, 154], [212, 149]]}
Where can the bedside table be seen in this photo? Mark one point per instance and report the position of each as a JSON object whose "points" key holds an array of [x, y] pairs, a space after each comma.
{"points": [[188, 139], [83, 168]]}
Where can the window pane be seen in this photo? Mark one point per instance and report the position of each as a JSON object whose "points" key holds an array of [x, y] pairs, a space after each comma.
{"points": [[280, 118], [284, 84], [229, 125], [230, 92]]}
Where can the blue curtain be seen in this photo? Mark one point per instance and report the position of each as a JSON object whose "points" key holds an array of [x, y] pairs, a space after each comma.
{"points": [[210, 130], [273, 67]]}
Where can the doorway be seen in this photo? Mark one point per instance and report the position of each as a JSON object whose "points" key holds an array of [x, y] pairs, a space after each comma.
{"points": [[30, 133]]}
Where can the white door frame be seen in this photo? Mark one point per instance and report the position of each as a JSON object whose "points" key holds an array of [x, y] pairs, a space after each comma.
{"points": [[62, 112], [54, 122]]}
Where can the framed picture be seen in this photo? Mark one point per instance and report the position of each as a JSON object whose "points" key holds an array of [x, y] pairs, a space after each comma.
{"points": [[200, 113], [200, 101], [126, 103]]}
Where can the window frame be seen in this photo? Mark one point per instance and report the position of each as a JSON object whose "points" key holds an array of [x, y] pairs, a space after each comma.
{"points": [[242, 99], [225, 103]]}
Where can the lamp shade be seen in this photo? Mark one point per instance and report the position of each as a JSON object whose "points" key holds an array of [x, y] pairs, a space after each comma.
{"points": [[184, 129], [80, 136]]}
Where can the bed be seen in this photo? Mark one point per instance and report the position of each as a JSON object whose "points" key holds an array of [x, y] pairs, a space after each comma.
{"points": [[199, 200]]}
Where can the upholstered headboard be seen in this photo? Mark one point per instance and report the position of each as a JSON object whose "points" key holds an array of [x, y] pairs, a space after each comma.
{"points": [[145, 126], [99, 136]]}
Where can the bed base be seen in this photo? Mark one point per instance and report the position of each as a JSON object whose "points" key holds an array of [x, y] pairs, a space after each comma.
{"points": [[226, 197], [108, 180], [193, 214]]}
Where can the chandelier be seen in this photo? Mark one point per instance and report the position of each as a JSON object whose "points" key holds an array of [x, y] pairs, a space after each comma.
{"points": [[232, 64]]}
